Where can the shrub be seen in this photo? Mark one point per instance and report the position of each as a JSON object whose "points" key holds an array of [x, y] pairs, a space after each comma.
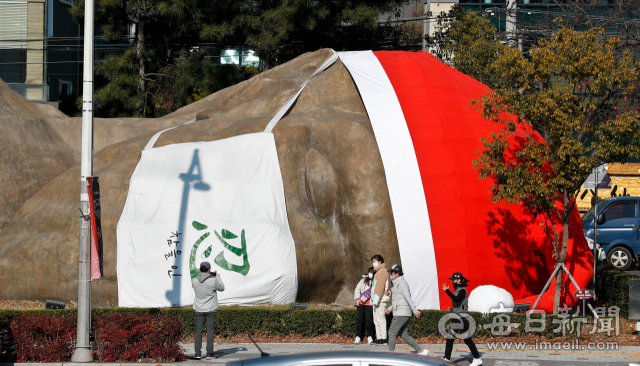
{"points": [[130, 337], [8, 352], [310, 323], [44, 338], [131, 334], [49, 335], [612, 287]]}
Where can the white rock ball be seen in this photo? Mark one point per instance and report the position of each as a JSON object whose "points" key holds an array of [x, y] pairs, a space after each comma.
{"points": [[491, 299]]}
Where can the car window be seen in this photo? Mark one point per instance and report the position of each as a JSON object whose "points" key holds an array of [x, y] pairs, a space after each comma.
{"points": [[621, 211]]}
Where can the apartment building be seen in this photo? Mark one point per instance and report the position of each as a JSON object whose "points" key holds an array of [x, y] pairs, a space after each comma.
{"points": [[40, 48]]}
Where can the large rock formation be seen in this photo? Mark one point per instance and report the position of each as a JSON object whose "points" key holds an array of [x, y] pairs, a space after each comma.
{"points": [[337, 200], [31, 152], [338, 203]]}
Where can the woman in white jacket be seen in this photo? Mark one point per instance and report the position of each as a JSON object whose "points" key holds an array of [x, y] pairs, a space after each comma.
{"points": [[362, 296]]}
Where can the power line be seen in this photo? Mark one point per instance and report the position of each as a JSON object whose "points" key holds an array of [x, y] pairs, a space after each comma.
{"points": [[44, 39], [495, 9], [43, 62], [95, 61]]}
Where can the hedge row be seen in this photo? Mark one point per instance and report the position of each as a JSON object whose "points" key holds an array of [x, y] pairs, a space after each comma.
{"points": [[284, 322], [34, 336], [612, 287], [309, 323]]}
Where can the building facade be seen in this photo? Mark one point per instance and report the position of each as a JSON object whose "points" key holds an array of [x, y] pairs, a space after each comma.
{"points": [[22, 25], [40, 57]]}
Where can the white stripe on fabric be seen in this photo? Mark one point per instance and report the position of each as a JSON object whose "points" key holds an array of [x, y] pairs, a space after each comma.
{"points": [[408, 201], [157, 135], [285, 108]]}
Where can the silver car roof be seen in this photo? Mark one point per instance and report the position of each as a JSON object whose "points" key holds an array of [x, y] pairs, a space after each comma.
{"points": [[336, 357]]}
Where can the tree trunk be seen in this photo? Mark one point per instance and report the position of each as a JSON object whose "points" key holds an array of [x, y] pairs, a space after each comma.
{"points": [[140, 39], [265, 60], [563, 251]]}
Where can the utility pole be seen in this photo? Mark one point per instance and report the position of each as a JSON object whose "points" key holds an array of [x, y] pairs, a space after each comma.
{"points": [[425, 25], [82, 353], [512, 13]]}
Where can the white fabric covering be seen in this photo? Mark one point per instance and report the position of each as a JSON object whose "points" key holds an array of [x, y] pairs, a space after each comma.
{"points": [[234, 185], [408, 201], [285, 108], [491, 299]]}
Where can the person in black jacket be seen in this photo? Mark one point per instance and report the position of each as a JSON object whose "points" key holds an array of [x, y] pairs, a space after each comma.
{"points": [[460, 305]]}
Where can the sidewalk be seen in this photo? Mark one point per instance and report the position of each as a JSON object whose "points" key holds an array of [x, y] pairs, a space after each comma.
{"points": [[228, 352]]}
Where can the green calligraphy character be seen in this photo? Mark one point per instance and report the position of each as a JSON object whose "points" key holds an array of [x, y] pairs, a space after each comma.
{"points": [[192, 259], [242, 251]]}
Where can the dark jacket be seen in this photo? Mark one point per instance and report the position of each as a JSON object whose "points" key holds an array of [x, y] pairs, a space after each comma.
{"points": [[459, 299]]}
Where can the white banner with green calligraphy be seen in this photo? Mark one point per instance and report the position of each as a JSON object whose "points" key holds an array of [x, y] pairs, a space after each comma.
{"points": [[221, 202]]}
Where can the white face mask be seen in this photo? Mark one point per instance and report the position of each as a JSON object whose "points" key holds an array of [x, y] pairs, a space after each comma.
{"points": [[370, 275], [375, 264]]}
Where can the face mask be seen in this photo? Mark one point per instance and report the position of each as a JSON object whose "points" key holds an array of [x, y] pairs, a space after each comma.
{"points": [[370, 275], [392, 277], [375, 264]]}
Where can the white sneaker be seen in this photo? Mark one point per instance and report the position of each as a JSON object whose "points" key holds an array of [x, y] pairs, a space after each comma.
{"points": [[357, 340], [476, 362], [369, 340], [446, 359], [424, 352]]}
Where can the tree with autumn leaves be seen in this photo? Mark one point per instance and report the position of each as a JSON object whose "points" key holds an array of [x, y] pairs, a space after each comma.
{"points": [[565, 106], [579, 94]]}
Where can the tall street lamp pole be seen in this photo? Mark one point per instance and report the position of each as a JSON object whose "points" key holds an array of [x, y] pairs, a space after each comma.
{"points": [[82, 352], [512, 15]]}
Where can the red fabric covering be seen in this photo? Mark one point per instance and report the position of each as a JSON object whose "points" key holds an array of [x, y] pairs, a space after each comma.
{"points": [[490, 243]]}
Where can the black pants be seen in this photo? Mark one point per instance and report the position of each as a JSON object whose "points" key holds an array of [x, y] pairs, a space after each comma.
{"points": [[365, 315], [468, 341], [210, 318]]}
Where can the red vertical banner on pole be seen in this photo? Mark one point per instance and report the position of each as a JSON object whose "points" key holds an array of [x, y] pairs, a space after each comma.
{"points": [[93, 189]]}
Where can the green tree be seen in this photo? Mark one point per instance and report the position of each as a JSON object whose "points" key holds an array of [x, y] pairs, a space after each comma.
{"points": [[164, 33], [467, 42], [576, 92], [282, 29], [194, 77], [161, 32]]}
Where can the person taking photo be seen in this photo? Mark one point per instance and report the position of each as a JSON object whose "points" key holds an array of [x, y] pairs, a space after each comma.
{"points": [[460, 305], [206, 287]]}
